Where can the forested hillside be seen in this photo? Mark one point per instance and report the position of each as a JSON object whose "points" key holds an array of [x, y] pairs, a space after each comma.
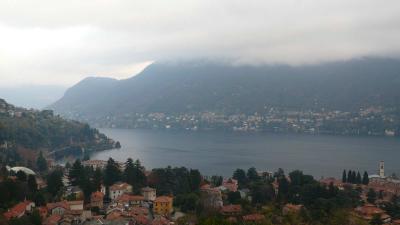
{"points": [[41, 130], [215, 87]]}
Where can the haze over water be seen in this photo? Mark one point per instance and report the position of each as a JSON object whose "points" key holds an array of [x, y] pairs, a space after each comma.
{"points": [[221, 153]]}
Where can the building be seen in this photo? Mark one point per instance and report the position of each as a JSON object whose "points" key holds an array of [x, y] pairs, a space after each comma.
{"points": [[149, 194], [57, 208], [382, 169], [368, 211], [96, 199], [119, 189], [163, 205], [75, 205], [291, 208], [254, 218], [231, 210], [130, 200], [52, 220], [230, 184], [19, 210], [210, 197], [101, 164]]}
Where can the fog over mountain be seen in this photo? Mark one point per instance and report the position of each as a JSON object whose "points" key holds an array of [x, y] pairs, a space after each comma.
{"points": [[61, 42], [32, 96], [197, 86]]}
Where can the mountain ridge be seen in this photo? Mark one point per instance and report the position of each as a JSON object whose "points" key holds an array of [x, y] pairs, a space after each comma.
{"points": [[205, 86]]}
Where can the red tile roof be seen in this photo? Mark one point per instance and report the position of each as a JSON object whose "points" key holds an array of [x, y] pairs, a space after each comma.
{"points": [[163, 199], [52, 220], [18, 210], [231, 209], [254, 217], [97, 196], [63, 204]]}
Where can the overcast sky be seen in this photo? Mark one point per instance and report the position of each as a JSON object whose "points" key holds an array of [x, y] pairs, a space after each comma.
{"points": [[61, 42]]}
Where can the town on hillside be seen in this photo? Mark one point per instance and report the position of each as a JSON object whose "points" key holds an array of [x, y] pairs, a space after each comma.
{"points": [[97, 192]]}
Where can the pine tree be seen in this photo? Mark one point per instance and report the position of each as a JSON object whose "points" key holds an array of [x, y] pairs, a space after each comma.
{"points": [[365, 179], [344, 177]]}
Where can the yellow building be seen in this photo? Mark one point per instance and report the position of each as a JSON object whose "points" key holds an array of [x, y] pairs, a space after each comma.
{"points": [[163, 205]]}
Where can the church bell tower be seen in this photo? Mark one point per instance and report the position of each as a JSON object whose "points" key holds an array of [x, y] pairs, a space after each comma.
{"points": [[382, 169]]}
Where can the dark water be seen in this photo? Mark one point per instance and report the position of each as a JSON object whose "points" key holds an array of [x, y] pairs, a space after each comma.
{"points": [[221, 153]]}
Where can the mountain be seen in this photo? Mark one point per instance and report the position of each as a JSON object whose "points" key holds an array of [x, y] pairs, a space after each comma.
{"points": [[32, 131], [205, 86], [32, 96]]}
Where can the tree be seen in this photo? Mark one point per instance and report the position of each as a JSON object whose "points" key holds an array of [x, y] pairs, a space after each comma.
{"points": [[76, 173], [35, 218], [21, 175], [376, 220], [353, 177], [349, 177], [365, 179], [371, 196], [195, 179], [234, 197], [344, 177], [240, 176], [134, 174], [32, 185], [252, 174], [54, 182], [216, 180], [112, 172], [41, 163], [358, 178], [97, 179]]}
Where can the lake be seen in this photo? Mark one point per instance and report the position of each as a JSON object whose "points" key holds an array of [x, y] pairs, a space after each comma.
{"points": [[221, 153]]}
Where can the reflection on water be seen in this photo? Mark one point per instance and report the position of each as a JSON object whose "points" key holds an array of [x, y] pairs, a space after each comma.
{"points": [[221, 153]]}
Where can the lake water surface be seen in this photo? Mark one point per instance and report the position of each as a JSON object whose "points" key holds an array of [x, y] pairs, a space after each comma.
{"points": [[221, 153]]}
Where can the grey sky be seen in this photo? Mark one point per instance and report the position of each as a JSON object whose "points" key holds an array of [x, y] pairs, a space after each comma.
{"points": [[60, 42]]}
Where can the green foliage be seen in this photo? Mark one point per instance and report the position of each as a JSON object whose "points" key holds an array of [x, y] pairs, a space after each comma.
{"points": [[216, 180], [178, 180], [365, 179], [234, 197], [11, 192], [21, 175], [371, 196], [41, 129], [112, 172], [134, 174], [240, 176], [376, 220], [54, 182], [41, 163], [187, 202]]}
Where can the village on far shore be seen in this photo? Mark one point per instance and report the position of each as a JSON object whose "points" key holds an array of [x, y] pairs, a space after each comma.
{"points": [[119, 202]]}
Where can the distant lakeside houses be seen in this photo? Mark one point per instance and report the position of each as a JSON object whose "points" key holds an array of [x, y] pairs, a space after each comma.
{"points": [[369, 121]]}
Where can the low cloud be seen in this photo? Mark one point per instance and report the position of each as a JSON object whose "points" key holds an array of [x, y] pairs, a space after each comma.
{"points": [[48, 42]]}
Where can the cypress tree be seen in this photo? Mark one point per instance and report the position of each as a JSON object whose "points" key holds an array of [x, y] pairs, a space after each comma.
{"points": [[353, 177], [349, 180], [358, 179], [344, 176], [365, 178]]}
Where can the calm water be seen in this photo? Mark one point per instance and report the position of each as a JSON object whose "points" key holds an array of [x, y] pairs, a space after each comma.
{"points": [[221, 153]]}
